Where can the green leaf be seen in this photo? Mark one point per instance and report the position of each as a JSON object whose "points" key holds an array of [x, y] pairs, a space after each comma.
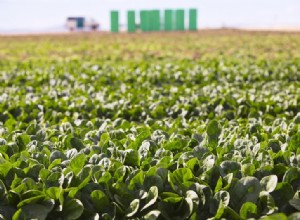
{"points": [[172, 208], [267, 203], [3, 190], [57, 155], [134, 207], [282, 193], [295, 203], [13, 197], [137, 181], [99, 199], [278, 216], [292, 176], [55, 179], [219, 185], [77, 163], [31, 200], [72, 209], [269, 183], [154, 180], [294, 142], [105, 178], [179, 177], [72, 142], [246, 189], [222, 196], [213, 129], [175, 144], [248, 169], [170, 197], [227, 167], [145, 134], [220, 211], [151, 197], [54, 192], [132, 158], [192, 199], [274, 145], [104, 138], [231, 214], [248, 210], [217, 205], [84, 177], [32, 211], [152, 215], [191, 207], [22, 141], [10, 124], [54, 163]]}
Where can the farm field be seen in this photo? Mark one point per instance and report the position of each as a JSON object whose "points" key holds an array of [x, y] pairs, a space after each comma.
{"points": [[151, 126]]}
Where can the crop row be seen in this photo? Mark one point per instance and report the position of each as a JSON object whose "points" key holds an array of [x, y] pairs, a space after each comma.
{"points": [[195, 140]]}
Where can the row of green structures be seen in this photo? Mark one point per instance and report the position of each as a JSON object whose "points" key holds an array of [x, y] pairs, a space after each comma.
{"points": [[151, 20]]}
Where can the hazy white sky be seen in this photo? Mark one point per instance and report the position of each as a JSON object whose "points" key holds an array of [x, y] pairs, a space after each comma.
{"points": [[40, 15]]}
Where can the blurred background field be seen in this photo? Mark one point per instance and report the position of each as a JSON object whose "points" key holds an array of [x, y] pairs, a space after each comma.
{"points": [[105, 47]]}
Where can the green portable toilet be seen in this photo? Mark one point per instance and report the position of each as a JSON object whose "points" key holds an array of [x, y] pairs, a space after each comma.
{"points": [[145, 17], [193, 20], [114, 21], [151, 20], [148, 21], [80, 22], [143, 20], [179, 14], [155, 20], [131, 21], [168, 20]]}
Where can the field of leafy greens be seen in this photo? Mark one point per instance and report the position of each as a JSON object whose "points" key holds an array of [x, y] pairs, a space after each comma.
{"points": [[150, 126]]}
